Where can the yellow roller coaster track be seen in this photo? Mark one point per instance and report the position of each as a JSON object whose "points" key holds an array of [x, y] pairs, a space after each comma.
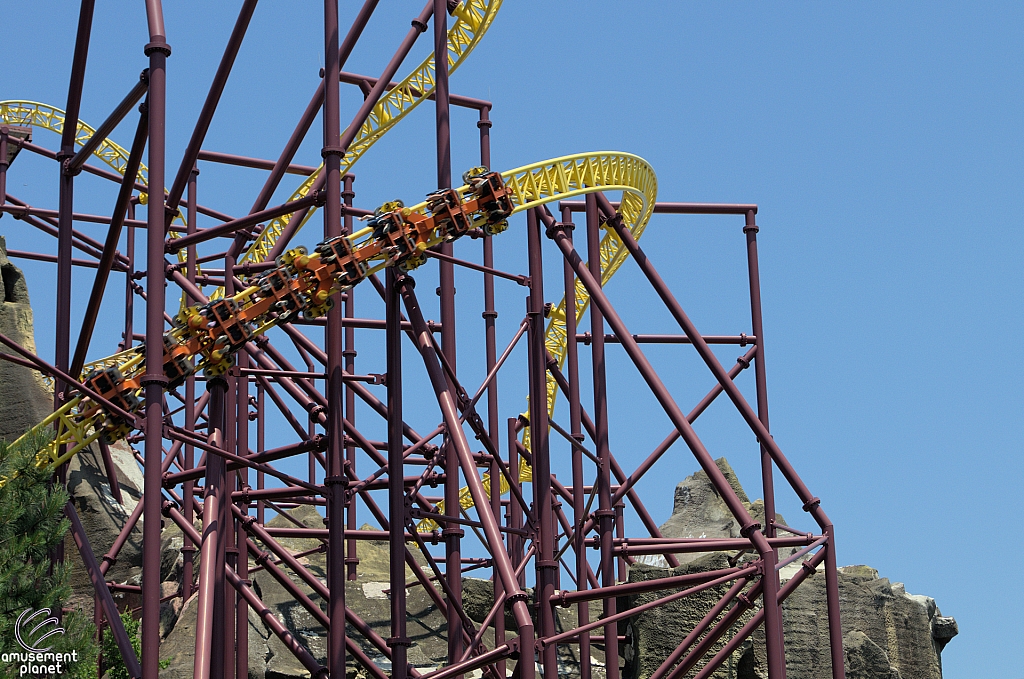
{"points": [[532, 185]]}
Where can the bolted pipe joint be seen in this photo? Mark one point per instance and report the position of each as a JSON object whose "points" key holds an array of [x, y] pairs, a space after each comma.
{"points": [[511, 599], [749, 529], [156, 46], [556, 228]]}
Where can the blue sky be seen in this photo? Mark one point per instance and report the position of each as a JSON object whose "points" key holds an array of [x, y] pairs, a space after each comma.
{"points": [[881, 141]]}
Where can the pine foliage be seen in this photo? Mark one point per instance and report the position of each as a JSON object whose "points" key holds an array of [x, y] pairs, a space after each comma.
{"points": [[32, 525]]}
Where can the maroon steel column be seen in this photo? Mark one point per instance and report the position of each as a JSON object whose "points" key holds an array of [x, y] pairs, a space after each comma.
{"points": [[62, 338], [335, 476], [546, 565], [491, 358], [757, 327], [605, 513], [211, 560], [154, 382], [241, 557], [575, 429], [188, 549], [227, 598], [261, 445], [398, 642], [835, 630], [65, 229], [349, 354], [760, 376], [3, 163], [515, 512], [129, 282], [446, 290]]}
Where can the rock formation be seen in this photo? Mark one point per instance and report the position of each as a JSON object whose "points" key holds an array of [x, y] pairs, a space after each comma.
{"points": [[26, 400], [888, 634]]}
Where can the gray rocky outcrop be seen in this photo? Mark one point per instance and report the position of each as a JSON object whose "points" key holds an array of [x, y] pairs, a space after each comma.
{"points": [[26, 400], [888, 633]]}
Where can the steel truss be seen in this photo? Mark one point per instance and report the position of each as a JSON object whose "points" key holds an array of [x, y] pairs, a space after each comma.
{"points": [[199, 461]]}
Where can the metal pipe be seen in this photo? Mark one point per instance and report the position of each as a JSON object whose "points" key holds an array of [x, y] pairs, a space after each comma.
{"points": [[52, 259], [742, 339], [242, 560], [220, 79], [446, 291], [399, 641], [419, 26], [349, 355], [460, 446], [546, 564], [106, 262], [210, 559], [21, 211], [112, 121], [335, 479], [4, 136], [605, 514], [575, 431], [677, 208], [154, 382], [312, 109], [106, 601], [490, 316], [256, 163], [110, 469]]}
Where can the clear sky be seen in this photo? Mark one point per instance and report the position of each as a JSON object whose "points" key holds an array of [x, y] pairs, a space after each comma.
{"points": [[881, 141]]}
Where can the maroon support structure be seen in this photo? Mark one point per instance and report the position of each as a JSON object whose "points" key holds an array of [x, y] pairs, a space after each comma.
{"points": [[573, 521]]}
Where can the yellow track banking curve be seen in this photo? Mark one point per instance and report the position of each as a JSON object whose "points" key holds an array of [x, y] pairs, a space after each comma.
{"points": [[532, 185]]}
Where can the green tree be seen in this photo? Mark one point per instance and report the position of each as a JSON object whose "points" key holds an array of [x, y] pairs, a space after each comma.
{"points": [[112, 661], [32, 524]]}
